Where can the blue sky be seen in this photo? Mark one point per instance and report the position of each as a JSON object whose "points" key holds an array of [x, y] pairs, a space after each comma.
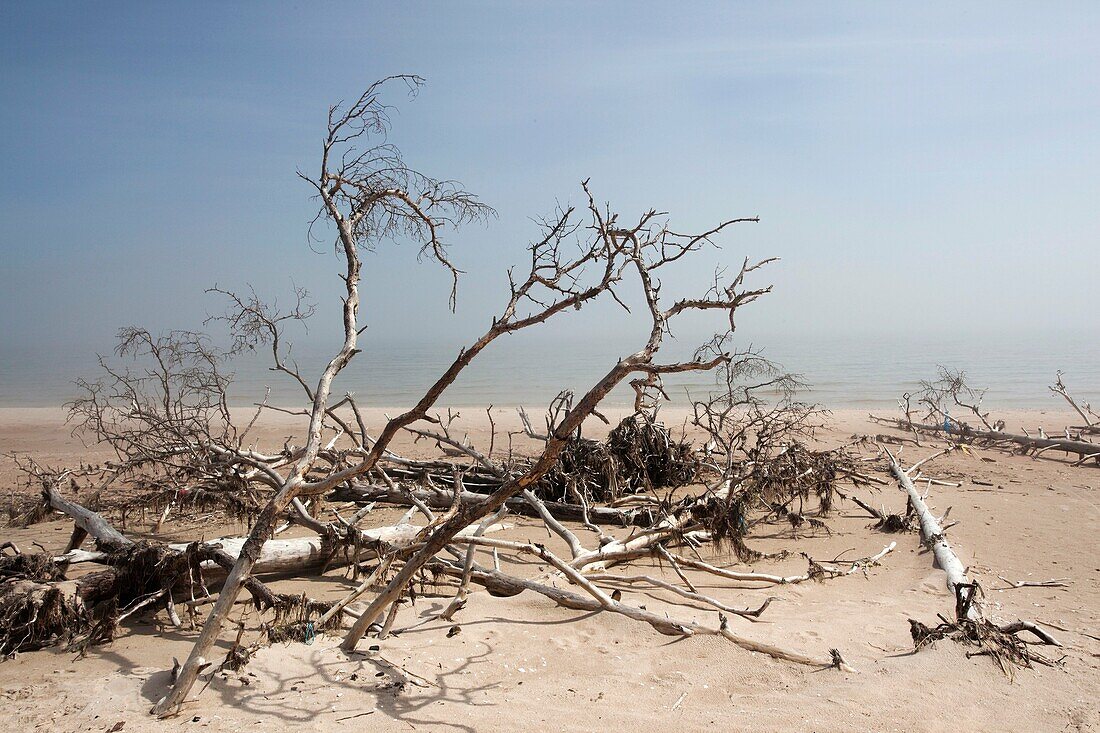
{"points": [[926, 168]]}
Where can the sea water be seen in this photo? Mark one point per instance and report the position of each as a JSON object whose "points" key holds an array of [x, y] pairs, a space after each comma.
{"points": [[840, 371]]}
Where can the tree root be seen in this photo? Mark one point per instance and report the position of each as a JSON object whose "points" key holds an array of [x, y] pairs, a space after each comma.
{"points": [[1000, 643]]}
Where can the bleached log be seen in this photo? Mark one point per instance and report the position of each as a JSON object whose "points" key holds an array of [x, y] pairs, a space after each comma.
{"points": [[106, 537], [286, 555], [276, 556], [932, 535]]}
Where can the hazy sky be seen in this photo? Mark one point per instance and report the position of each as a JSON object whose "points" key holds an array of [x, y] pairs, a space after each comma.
{"points": [[917, 166]]}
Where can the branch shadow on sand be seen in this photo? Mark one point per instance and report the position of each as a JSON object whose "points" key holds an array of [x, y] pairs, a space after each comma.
{"points": [[302, 683]]}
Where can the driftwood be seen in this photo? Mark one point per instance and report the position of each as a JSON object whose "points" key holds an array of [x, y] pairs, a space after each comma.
{"points": [[933, 537], [970, 625], [950, 391], [505, 585], [277, 556], [1079, 447], [362, 493], [1092, 420], [87, 522]]}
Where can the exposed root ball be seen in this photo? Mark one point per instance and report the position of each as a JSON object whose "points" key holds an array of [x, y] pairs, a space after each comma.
{"points": [[639, 455], [38, 608], [894, 523], [777, 485], [1004, 647], [727, 522], [36, 615], [37, 566], [650, 456], [796, 473]]}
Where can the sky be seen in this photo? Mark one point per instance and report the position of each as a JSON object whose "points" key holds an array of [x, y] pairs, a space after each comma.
{"points": [[919, 168]]}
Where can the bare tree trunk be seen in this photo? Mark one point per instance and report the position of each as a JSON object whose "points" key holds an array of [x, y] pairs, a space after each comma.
{"points": [[265, 521], [932, 535]]}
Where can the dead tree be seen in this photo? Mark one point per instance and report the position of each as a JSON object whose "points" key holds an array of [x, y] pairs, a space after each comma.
{"points": [[366, 195], [168, 421], [369, 195], [1092, 420], [951, 390], [970, 624], [646, 249]]}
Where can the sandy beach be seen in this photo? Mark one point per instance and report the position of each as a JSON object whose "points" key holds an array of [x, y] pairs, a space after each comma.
{"points": [[800, 299], [522, 663]]}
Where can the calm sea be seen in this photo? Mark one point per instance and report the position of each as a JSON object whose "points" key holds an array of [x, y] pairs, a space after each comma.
{"points": [[842, 372]]}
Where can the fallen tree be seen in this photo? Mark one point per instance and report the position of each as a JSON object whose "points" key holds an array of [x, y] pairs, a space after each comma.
{"points": [[937, 399], [956, 431], [178, 447], [174, 436], [970, 624], [40, 607]]}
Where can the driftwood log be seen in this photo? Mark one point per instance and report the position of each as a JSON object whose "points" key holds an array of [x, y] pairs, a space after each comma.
{"points": [[1079, 447], [933, 537], [970, 625]]}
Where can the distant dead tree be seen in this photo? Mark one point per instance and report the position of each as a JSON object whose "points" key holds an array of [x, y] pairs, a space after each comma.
{"points": [[1084, 409], [951, 390], [937, 398]]}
